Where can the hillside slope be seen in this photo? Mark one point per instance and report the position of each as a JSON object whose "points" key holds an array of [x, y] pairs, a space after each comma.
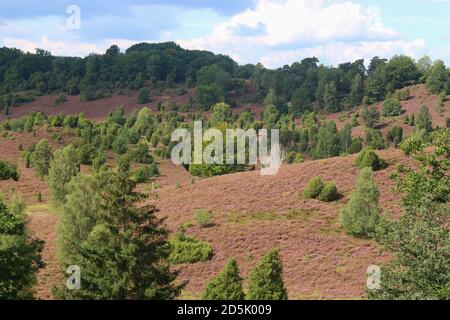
{"points": [[253, 214]]}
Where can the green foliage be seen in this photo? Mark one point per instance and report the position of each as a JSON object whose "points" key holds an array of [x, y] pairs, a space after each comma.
{"points": [[438, 77], [227, 285], [368, 158], [59, 101], [208, 95], [20, 255], [104, 227], [266, 279], [145, 173], [370, 116], [144, 96], [314, 188], [356, 146], [328, 143], [402, 94], [423, 121], [41, 158], [188, 249], [329, 193], [141, 154], [8, 171], [419, 240], [374, 139], [63, 167], [439, 104], [203, 218], [392, 108], [294, 157], [120, 145], [395, 135], [362, 213]]}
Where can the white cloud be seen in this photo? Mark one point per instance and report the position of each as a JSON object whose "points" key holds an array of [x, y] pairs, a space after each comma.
{"points": [[333, 31], [64, 47]]}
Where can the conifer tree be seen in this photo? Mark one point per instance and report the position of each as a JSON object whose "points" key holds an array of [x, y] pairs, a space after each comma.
{"points": [[41, 158], [266, 281], [63, 167], [122, 250], [227, 285], [362, 213]]}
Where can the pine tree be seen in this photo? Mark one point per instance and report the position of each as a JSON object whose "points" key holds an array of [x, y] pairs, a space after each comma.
{"points": [[370, 116], [227, 285], [266, 281], [362, 213], [63, 167], [122, 250]]}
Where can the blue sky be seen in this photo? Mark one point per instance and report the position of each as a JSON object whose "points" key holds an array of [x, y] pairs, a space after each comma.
{"points": [[274, 32]]}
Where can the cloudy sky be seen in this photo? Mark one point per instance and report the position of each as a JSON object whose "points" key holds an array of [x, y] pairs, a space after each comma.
{"points": [[273, 32]]}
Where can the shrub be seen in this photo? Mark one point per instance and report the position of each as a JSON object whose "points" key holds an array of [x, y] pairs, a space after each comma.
{"points": [[60, 100], [144, 173], [423, 120], [144, 96], [329, 193], [266, 279], [402, 94], [447, 122], [314, 188], [188, 249], [369, 158], [395, 135], [356, 146], [392, 108], [362, 213], [203, 218], [294, 157], [226, 286], [120, 145], [141, 155], [8, 171]]}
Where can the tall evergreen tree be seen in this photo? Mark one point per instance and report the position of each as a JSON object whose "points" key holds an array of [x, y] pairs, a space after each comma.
{"points": [[41, 158], [123, 251]]}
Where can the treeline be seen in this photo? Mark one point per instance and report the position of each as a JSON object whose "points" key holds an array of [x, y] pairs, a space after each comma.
{"points": [[295, 89]]}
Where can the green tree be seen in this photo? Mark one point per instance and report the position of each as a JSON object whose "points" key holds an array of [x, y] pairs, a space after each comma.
{"points": [[362, 213], [370, 116], [8, 171], [328, 142], [437, 77], [20, 255], [420, 239], [63, 168], [41, 158], [266, 279], [357, 90], [423, 120], [144, 96], [123, 251], [330, 98], [392, 108], [225, 286]]}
